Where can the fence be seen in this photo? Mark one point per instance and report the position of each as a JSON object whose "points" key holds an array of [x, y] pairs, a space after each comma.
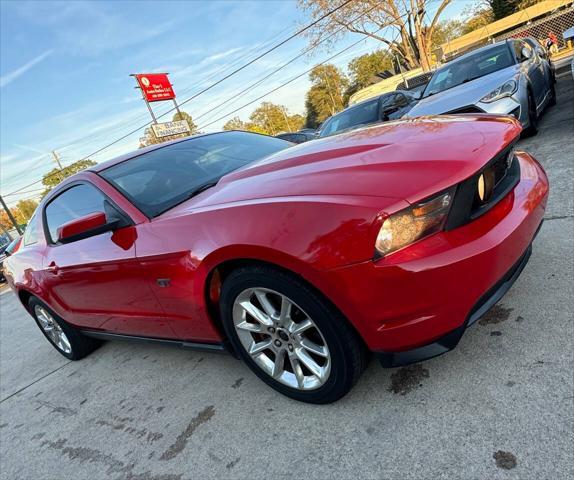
{"points": [[557, 23]]}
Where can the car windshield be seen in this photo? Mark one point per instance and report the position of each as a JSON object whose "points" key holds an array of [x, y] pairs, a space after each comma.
{"points": [[159, 180], [470, 68], [352, 117]]}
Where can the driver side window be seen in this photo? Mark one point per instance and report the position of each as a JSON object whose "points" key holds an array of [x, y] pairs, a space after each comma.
{"points": [[76, 202]]}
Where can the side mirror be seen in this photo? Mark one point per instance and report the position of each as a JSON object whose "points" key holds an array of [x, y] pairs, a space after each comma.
{"points": [[526, 53], [390, 110], [86, 226], [418, 95]]}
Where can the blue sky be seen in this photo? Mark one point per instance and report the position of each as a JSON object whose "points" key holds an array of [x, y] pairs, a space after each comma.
{"points": [[64, 71]]}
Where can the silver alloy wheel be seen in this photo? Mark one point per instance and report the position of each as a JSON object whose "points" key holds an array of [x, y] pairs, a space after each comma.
{"points": [[281, 338], [52, 329]]}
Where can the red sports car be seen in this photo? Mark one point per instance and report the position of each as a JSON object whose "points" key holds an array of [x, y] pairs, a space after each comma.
{"points": [[391, 240]]}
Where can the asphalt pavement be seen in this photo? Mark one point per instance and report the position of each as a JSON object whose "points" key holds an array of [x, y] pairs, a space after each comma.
{"points": [[500, 406]]}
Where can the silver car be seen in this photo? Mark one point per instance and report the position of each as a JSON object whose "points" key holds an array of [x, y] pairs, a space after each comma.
{"points": [[508, 77]]}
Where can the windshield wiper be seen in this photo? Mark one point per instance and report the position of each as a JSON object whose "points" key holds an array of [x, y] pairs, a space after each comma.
{"points": [[202, 188]]}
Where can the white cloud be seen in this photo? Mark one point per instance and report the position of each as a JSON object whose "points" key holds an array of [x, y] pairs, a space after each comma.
{"points": [[221, 55], [13, 75]]}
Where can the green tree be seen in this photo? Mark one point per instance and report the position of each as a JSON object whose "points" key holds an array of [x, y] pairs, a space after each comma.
{"points": [[272, 119], [269, 119], [503, 8], [363, 70], [478, 17], [446, 31], [311, 115], [24, 210], [327, 93], [413, 21], [5, 222], [150, 138], [55, 176], [236, 124], [488, 11], [181, 115]]}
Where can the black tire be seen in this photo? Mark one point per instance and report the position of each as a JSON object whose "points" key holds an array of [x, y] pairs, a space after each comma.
{"points": [[348, 356], [552, 101], [532, 117], [80, 345]]}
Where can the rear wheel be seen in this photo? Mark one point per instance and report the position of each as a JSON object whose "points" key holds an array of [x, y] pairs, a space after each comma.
{"points": [[532, 117], [291, 337], [68, 340]]}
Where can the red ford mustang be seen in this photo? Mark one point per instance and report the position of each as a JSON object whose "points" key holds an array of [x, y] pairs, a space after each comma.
{"points": [[391, 239]]}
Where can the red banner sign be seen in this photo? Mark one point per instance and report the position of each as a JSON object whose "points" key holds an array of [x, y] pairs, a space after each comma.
{"points": [[155, 86]]}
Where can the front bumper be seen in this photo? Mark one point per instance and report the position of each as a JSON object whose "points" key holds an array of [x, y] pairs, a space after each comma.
{"points": [[417, 302], [516, 105], [451, 339]]}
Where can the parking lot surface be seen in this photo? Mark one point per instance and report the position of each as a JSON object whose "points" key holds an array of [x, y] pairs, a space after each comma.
{"points": [[499, 406]]}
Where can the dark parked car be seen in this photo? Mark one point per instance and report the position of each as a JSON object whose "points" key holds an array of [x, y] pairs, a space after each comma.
{"points": [[5, 252], [301, 136], [389, 106]]}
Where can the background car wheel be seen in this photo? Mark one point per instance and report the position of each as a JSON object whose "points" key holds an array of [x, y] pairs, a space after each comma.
{"points": [[65, 338], [552, 101], [289, 335], [532, 117]]}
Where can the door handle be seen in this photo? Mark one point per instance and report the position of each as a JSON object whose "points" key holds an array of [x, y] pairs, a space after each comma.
{"points": [[53, 268]]}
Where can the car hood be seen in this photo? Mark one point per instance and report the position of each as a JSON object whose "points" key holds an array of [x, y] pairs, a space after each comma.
{"points": [[463, 95], [407, 160]]}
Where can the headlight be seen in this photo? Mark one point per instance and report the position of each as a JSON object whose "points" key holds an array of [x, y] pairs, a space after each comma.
{"points": [[413, 223], [505, 90]]}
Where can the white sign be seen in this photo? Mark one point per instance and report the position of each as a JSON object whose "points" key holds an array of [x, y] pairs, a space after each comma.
{"points": [[170, 128]]}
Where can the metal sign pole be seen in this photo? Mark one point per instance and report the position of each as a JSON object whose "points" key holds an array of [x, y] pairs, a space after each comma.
{"points": [[149, 107], [177, 108], [145, 100]]}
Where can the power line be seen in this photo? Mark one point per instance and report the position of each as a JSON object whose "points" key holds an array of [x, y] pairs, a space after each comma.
{"points": [[237, 70], [26, 192], [140, 117], [297, 33], [266, 52], [237, 95], [243, 106], [284, 84]]}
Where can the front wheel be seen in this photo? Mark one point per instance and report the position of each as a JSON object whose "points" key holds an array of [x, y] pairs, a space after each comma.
{"points": [[552, 101], [532, 117], [289, 335]]}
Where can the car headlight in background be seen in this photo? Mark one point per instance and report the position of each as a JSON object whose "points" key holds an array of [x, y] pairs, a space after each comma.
{"points": [[413, 223], [505, 90]]}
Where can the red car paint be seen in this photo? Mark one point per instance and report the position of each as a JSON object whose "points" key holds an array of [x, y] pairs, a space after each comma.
{"points": [[314, 209], [81, 225]]}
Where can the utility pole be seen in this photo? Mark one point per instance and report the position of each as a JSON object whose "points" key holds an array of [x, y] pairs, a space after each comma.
{"points": [[57, 159], [10, 216], [286, 118]]}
